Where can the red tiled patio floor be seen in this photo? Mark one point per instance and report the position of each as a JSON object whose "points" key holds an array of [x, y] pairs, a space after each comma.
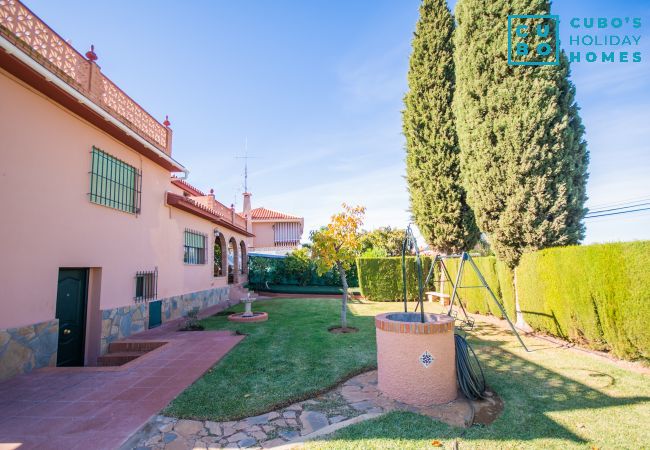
{"points": [[100, 408]]}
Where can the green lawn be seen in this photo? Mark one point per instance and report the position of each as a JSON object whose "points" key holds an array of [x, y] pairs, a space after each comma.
{"points": [[554, 397], [288, 358]]}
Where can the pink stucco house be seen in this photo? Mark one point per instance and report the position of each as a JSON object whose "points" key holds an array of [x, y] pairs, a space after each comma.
{"points": [[99, 240], [275, 232]]}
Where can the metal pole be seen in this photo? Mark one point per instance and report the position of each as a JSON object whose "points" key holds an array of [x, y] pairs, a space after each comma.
{"points": [[404, 243], [480, 276], [418, 263], [454, 292], [431, 272]]}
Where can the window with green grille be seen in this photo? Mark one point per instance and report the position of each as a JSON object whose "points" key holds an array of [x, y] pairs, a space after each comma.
{"points": [[194, 247], [146, 285], [114, 183]]}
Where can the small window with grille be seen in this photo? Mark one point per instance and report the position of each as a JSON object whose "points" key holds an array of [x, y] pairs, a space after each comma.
{"points": [[114, 183], [194, 247], [146, 285]]}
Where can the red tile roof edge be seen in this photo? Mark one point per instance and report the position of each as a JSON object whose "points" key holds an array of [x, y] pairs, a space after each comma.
{"points": [[192, 207], [187, 187], [262, 213]]}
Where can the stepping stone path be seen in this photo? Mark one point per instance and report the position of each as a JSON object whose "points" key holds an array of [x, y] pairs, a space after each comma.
{"points": [[358, 395]]}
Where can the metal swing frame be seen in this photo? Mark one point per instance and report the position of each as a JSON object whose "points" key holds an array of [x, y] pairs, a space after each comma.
{"points": [[456, 286], [410, 242]]}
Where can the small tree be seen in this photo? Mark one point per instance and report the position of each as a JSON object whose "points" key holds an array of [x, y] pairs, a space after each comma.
{"points": [[337, 245]]}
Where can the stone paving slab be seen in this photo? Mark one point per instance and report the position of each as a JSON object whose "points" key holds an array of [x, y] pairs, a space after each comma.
{"points": [[356, 397], [100, 408]]}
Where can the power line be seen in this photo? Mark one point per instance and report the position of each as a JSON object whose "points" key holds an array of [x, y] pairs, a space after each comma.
{"points": [[636, 205], [617, 213], [620, 219], [620, 203]]}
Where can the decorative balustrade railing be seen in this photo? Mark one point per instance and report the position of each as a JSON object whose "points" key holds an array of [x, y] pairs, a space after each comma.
{"points": [[24, 29], [227, 214], [222, 210], [133, 114], [240, 221]]}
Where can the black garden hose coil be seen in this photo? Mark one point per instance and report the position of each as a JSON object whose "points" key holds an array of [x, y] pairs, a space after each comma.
{"points": [[468, 370]]}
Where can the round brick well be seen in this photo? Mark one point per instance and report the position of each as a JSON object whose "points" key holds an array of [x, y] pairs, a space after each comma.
{"points": [[416, 362]]}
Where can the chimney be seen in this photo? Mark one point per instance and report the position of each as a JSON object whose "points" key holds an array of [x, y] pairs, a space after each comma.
{"points": [[247, 212]]}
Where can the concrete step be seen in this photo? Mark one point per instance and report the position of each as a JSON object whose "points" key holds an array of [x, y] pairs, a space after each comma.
{"points": [[131, 346], [118, 358]]}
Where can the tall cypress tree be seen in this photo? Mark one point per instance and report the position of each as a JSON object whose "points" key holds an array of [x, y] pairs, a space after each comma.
{"points": [[523, 156], [432, 163]]}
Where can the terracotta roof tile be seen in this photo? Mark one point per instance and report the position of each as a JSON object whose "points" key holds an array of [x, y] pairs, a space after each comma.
{"points": [[207, 213], [187, 187], [265, 214]]}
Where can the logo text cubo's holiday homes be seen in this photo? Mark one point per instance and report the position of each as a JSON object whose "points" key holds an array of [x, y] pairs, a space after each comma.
{"points": [[604, 39], [534, 40]]}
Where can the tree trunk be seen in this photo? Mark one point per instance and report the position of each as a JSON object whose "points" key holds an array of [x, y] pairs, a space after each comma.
{"points": [[344, 303], [521, 322]]}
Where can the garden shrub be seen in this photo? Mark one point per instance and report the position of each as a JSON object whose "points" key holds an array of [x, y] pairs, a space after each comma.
{"points": [[635, 307], [597, 295], [296, 269], [553, 300], [380, 279]]}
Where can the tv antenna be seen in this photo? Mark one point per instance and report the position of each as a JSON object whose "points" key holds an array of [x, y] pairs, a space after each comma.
{"points": [[245, 157]]}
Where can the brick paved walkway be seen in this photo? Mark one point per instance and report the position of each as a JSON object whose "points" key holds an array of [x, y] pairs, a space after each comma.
{"points": [[99, 408]]}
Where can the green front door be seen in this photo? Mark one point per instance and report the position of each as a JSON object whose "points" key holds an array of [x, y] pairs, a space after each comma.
{"points": [[71, 312]]}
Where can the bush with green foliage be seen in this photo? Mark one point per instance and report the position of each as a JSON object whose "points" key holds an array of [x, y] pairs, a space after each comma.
{"points": [[297, 266], [296, 269], [597, 295], [383, 241], [374, 252], [192, 322]]}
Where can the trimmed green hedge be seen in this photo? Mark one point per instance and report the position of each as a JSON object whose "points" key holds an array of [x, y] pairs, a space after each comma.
{"points": [[598, 295], [380, 279], [506, 288]]}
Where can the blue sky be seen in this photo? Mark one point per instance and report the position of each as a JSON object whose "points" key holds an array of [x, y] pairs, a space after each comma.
{"points": [[316, 87]]}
